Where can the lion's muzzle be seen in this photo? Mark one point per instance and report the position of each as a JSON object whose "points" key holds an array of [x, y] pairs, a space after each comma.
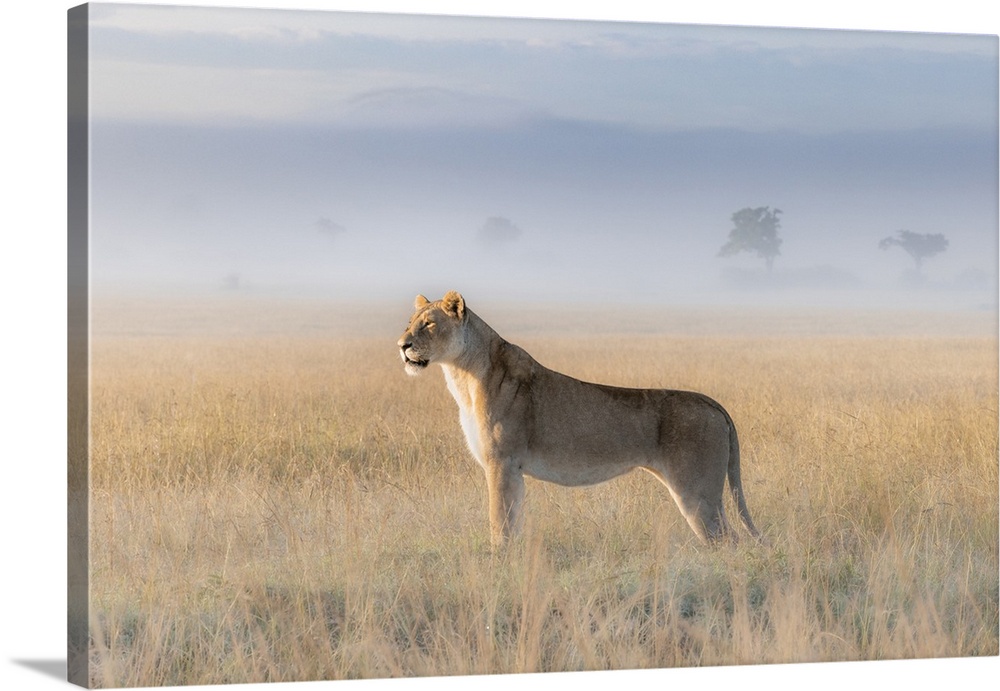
{"points": [[410, 360]]}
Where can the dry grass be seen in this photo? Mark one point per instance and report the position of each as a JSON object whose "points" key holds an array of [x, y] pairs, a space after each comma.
{"points": [[274, 500]]}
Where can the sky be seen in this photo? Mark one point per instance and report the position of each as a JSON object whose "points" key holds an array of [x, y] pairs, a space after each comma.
{"points": [[327, 152]]}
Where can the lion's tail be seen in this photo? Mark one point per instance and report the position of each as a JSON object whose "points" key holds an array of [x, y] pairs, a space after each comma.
{"points": [[735, 483]]}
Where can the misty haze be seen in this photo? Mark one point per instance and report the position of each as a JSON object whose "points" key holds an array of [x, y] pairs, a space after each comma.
{"points": [[618, 183]]}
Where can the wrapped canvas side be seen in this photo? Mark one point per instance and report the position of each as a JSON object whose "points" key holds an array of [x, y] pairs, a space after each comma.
{"points": [[78, 348]]}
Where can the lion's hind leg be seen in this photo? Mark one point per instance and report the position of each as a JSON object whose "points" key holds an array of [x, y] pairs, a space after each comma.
{"points": [[709, 522], [706, 517]]}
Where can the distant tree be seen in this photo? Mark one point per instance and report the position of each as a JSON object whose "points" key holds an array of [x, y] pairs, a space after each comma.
{"points": [[498, 230], [754, 230], [917, 245], [328, 227]]}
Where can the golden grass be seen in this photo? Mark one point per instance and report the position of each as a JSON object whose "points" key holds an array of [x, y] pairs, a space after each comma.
{"points": [[274, 500]]}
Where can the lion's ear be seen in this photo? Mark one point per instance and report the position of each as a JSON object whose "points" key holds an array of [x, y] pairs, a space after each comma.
{"points": [[420, 302], [454, 304]]}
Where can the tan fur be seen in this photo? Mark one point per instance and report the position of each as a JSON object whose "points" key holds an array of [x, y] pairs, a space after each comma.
{"points": [[520, 418]]}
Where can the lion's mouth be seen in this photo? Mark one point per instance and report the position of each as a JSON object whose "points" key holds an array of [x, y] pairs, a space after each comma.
{"points": [[414, 362]]}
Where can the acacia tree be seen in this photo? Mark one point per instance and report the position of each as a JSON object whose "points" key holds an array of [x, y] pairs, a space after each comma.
{"points": [[917, 245], [755, 230], [328, 227]]}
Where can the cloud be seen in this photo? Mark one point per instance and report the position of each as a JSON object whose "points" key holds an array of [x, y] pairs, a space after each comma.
{"points": [[431, 106], [179, 93], [247, 24], [193, 64]]}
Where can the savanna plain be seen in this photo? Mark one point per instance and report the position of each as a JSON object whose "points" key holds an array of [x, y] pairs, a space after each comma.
{"points": [[273, 499]]}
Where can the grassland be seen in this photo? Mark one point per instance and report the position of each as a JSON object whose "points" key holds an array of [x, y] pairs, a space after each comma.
{"points": [[274, 500]]}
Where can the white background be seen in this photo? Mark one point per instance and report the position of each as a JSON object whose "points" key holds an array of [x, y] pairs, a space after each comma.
{"points": [[32, 379]]}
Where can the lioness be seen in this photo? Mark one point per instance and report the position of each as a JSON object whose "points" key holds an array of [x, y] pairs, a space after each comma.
{"points": [[521, 418]]}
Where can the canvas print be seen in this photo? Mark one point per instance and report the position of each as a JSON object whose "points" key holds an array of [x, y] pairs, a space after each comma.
{"points": [[422, 346]]}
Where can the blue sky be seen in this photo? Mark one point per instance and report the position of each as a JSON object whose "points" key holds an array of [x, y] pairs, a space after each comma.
{"points": [[225, 139]]}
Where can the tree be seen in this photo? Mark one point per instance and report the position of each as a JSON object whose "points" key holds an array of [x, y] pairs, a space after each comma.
{"points": [[754, 230], [328, 227], [917, 245]]}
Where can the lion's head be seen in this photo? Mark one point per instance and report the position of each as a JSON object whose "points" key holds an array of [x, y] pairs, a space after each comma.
{"points": [[435, 333]]}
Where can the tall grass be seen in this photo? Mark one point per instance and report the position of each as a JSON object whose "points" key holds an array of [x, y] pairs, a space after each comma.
{"points": [[285, 504]]}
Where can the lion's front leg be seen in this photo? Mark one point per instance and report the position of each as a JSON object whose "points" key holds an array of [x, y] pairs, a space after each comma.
{"points": [[505, 485]]}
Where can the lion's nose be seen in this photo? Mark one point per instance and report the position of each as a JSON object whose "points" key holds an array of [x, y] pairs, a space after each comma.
{"points": [[404, 345]]}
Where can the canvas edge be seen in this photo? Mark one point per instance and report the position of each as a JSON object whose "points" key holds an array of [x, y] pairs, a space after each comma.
{"points": [[78, 348]]}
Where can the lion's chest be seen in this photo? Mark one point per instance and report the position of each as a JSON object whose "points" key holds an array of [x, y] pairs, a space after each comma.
{"points": [[465, 397], [472, 437]]}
